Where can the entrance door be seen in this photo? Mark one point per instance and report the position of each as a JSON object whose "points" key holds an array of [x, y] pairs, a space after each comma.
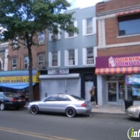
{"points": [[112, 91]]}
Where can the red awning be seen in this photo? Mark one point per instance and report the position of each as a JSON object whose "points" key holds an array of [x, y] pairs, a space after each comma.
{"points": [[124, 70], [128, 12]]}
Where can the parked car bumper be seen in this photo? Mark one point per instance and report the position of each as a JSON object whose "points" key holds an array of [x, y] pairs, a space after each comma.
{"points": [[133, 114]]}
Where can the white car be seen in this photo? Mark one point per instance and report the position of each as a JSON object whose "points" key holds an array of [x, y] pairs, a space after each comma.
{"points": [[133, 111], [61, 103]]}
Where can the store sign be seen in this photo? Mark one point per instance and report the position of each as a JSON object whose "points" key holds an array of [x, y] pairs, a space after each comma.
{"points": [[13, 79], [124, 61], [118, 61], [58, 71], [133, 79]]}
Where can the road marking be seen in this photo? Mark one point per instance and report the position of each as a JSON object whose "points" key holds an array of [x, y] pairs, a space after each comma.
{"points": [[33, 134]]}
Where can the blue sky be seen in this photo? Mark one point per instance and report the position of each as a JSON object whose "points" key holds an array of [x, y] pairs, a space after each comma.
{"points": [[82, 3]]}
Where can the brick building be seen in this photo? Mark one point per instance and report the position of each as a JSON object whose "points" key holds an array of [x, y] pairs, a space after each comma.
{"points": [[118, 50], [16, 78]]}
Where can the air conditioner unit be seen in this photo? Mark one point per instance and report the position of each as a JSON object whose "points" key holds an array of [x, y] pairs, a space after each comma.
{"points": [[90, 61], [14, 68], [41, 66], [54, 37], [71, 62]]}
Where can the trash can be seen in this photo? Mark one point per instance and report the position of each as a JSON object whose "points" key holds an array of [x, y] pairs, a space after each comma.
{"points": [[128, 103]]}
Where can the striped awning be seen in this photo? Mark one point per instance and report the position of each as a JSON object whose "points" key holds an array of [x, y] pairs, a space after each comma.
{"points": [[127, 12], [124, 70]]}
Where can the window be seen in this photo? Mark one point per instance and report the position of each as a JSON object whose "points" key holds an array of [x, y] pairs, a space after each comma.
{"points": [[71, 57], [26, 62], [54, 58], [71, 34], [14, 63], [63, 98], [128, 25], [89, 26], [40, 60], [90, 57], [51, 98], [41, 38]]}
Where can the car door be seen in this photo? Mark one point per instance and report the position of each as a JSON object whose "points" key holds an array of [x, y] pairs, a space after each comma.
{"points": [[48, 103], [62, 102]]}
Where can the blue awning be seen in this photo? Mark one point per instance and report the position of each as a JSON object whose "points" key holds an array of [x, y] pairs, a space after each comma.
{"points": [[15, 85]]}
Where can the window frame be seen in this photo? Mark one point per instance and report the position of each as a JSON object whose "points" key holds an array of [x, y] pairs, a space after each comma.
{"points": [[56, 58], [41, 38], [42, 61], [26, 63], [90, 28], [72, 59], [14, 67]]}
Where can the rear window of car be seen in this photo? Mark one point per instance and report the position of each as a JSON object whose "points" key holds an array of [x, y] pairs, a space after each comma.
{"points": [[77, 98]]}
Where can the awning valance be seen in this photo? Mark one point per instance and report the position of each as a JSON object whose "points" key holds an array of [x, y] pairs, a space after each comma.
{"points": [[15, 85], [124, 70], [128, 12]]}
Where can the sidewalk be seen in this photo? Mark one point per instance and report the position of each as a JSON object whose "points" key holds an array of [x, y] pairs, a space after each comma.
{"points": [[113, 109]]}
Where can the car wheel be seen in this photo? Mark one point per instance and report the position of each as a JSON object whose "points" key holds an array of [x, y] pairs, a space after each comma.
{"points": [[34, 109], [70, 112], [2, 106]]}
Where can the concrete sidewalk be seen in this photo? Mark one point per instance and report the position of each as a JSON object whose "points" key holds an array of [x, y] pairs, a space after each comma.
{"points": [[113, 109]]}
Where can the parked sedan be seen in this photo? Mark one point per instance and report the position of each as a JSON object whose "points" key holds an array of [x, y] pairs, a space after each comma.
{"points": [[133, 111], [10, 100], [61, 103]]}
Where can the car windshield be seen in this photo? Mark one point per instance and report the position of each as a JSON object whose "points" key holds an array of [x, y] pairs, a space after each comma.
{"points": [[77, 98], [8, 94]]}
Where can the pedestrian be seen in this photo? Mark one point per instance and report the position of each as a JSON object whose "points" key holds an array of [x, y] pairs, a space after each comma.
{"points": [[92, 96]]}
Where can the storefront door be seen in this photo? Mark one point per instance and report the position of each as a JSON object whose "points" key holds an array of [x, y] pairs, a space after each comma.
{"points": [[112, 91]]}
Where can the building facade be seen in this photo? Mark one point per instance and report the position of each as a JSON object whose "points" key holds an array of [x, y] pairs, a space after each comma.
{"points": [[16, 78], [118, 51], [71, 57], [3, 56]]}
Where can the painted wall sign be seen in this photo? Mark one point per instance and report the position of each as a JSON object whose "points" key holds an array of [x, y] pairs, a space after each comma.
{"points": [[58, 71], [118, 61]]}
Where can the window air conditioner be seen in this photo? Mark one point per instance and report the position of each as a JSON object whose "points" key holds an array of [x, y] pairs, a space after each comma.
{"points": [[90, 61], [71, 62], [54, 37]]}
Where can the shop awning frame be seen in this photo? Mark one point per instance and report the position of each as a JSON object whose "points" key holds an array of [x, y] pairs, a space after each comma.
{"points": [[15, 85], [120, 70]]}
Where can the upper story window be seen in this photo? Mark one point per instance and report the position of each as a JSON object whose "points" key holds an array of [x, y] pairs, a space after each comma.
{"points": [[40, 60], [54, 59], [71, 57], [26, 62], [71, 34], [89, 26], [90, 56], [14, 63], [128, 25], [41, 38]]}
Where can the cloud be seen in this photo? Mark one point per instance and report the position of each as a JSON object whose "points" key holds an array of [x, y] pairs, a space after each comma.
{"points": [[82, 3]]}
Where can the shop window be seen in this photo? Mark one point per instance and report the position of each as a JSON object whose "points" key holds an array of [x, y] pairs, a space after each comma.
{"points": [[26, 62], [128, 25], [14, 63]]}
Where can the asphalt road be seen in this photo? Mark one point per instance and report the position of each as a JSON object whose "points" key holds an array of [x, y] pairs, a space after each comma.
{"points": [[21, 125]]}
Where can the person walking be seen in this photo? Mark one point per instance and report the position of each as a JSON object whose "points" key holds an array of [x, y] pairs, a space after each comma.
{"points": [[92, 96]]}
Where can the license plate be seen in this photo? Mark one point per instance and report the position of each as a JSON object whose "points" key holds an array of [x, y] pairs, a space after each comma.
{"points": [[19, 100]]}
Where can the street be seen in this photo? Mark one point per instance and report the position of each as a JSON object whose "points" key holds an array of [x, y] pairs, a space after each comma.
{"points": [[21, 125]]}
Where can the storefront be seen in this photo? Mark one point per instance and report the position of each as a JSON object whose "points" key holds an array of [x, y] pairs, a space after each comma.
{"points": [[76, 81], [114, 78], [18, 81]]}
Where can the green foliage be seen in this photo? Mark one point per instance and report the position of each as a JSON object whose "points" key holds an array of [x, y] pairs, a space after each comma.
{"points": [[24, 17]]}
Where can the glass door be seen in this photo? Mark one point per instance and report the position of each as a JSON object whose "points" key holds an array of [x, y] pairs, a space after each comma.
{"points": [[112, 91]]}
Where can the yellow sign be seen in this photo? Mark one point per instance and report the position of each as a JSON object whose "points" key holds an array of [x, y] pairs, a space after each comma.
{"points": [[12, 79]]}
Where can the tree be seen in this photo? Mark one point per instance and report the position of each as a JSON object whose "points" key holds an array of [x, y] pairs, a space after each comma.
{"points": [[24, 19]]}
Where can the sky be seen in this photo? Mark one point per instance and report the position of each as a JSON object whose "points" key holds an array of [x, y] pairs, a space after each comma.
{"points": [[82, 3]]}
